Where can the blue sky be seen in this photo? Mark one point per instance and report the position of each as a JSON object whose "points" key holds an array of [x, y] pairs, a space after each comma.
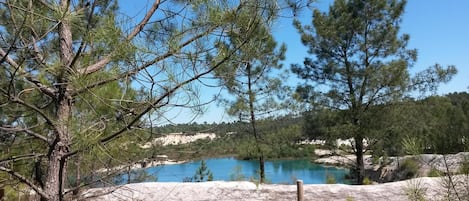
{"points": [[438, 29]]}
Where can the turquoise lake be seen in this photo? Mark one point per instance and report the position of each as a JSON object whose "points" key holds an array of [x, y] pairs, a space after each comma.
{"points": [[277, 171]]}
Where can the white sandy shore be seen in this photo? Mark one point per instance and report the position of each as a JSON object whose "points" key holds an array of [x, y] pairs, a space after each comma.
{"points": [[136, 166], [219, 190]]}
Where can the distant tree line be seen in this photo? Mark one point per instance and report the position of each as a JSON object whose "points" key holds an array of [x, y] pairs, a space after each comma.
{"points": [[433, 125]]}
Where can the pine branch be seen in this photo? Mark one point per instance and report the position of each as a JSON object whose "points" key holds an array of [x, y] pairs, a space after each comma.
{"points": [[7, 58], [24, 130], [21, 157], [144, 66], [43, 88], [102, 63], [168, 93], [32, 107]]}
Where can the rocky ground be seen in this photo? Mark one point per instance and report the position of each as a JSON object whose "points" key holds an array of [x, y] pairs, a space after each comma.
{"points": [[385, 170], [428, 188]]}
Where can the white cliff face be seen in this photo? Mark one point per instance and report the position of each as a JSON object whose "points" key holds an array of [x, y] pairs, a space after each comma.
{"points": [[179, 138]]}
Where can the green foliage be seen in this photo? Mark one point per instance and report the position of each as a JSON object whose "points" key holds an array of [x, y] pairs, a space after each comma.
{"points": [[412, 146], [415, 190], [367, 181], [203, 173], [280, 140], [435, 172], [16, 192], [436, 124], [210, 177], [349, 198], [81, 82], [351, 61], [464, 168], [359, 66], [250, 78], [330, 179], [408, 168]]}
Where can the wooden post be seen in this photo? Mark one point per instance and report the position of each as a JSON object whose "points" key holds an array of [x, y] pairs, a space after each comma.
{"points": [[299, 190]]}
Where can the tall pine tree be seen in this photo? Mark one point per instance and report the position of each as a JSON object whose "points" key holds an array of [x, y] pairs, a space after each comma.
{"points": [[359, 59], [248, 79]]}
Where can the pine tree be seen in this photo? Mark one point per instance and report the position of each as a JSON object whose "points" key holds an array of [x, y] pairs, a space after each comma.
{"points": [[203, 173], [248, 79], [79, 78], [360, 60]]}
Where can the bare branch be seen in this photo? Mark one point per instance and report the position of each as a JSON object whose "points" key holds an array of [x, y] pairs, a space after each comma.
{"points": [[39, 58], [24, 180], [100, 64], [43, 88], [7, 58], [40, 112], [24, 130], [21, 157], [147, 17]]}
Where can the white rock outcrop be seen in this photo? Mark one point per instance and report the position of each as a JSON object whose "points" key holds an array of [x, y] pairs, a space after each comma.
{"points": [[179, 138]]}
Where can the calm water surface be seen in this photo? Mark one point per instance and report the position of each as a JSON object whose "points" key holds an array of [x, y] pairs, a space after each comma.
{"points": [[277, 171]]}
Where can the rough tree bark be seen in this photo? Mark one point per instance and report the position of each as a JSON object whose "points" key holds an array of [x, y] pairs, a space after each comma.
{"points": [[60, 148], [360, 174]]}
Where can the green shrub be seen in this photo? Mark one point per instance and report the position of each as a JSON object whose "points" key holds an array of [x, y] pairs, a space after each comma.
{"points": [[375, 159], [330, 179], [349, 198], [367, 181], [415, 190], [464, 169], [308, 150], [434, 172], [409, 168]]}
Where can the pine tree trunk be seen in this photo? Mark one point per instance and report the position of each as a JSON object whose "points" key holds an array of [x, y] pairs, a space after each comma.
{"points": [[58, 151], [360, 168], [253, 125], [262, 169], [55, 179]]}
